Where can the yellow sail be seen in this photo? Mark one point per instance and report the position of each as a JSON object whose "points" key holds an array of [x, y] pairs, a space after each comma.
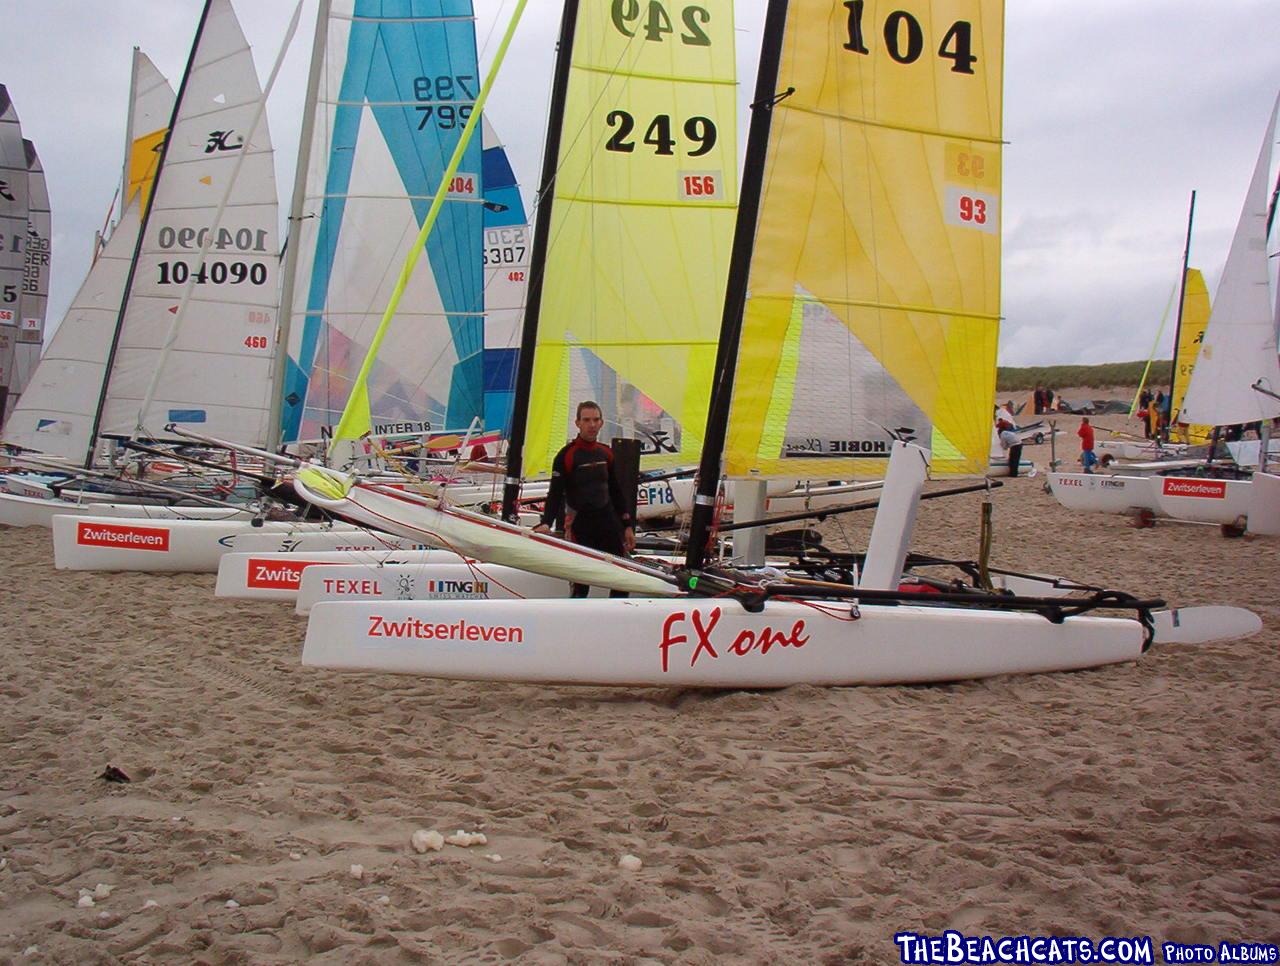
{"points": [[144, 158], [1195, 319], [642, 224], [874, 288]]}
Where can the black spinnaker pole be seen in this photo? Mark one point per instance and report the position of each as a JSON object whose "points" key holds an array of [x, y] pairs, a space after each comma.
{"points": [[148, 206], [538, 263], [735, 296], [1177, 328]]}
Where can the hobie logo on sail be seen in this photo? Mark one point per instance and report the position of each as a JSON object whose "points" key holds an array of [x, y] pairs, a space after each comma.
{"points": [[130, 538], [276, 574], [1205, 489]]}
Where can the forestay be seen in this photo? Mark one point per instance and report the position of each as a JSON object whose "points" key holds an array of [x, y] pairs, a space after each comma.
{"points": [[874, 282], [392, 89], [641, 229], [56, 413]]}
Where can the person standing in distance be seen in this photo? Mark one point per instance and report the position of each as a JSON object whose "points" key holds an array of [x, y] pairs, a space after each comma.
{"points": [[585, 494]]}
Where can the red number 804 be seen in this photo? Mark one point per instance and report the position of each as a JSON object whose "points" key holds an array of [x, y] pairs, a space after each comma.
{"points": [[256, 342], [973, 209]]}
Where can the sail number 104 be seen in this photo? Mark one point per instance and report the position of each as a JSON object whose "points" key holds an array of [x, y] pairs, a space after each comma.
{"points": [[904, 38]]}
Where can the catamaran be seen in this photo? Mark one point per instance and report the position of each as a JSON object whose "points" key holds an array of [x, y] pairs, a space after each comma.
{"points": [[1235, 379], [844, 275]]}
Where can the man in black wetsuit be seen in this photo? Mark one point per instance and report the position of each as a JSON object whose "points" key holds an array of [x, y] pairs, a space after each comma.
{"points": [[585, 493]]}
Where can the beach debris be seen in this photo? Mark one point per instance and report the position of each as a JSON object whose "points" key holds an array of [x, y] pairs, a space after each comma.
{"points": [[296, 856], [384, 900], [113, 774], [232, 904], [630, 863], [465, 840], [425, 840], [150, 904], [357, 871], [31, 950], [102, 890], [86, 901], [3, 864], [493, 857]]}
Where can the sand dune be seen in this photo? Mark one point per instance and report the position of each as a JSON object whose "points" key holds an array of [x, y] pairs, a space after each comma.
{"points": [[804, 825]]}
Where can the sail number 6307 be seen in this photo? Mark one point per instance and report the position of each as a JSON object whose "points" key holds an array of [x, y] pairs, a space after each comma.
{"points": [[904, 38]]}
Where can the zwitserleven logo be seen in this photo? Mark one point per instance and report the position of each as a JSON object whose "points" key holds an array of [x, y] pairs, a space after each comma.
{"points": [[955, 947]]}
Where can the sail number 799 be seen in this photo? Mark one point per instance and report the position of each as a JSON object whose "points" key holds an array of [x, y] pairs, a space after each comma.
{"points": [[904, 38]]}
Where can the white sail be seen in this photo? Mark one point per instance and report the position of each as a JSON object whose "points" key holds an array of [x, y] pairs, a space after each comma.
{"points": [[13, 235], [508, 249], [35, 275], [217, 364], [392, 93], [1239, 350], [56, 413]]}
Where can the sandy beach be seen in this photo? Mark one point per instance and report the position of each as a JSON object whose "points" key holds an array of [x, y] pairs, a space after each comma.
{"points": [[798, 826]]}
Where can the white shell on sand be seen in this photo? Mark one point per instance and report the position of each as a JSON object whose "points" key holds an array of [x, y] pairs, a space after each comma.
{"points": [[424, 840], [384, 900], [232, 904], [296, 856], [467, 839], [630, 863], [357, 871], [150, 904], [493, 857], [85, 902], [102, 890]]}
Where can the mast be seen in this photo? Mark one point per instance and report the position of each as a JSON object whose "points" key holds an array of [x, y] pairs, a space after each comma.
{"points": [[275, 431], [735, 298], [538, 261], [142, 234], [1177, 328]]}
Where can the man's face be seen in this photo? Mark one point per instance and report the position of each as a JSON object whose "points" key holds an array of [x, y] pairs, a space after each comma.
{"points": [[589, 423]]}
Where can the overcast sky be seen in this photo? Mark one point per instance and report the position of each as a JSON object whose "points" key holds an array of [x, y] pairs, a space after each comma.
{"points": [[1114, 111]]}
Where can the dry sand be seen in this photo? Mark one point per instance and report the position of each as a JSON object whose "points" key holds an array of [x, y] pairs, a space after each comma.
{"points": [[804, 825]]}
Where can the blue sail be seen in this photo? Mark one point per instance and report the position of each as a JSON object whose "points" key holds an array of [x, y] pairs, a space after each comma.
{"points": [[398, 82]]}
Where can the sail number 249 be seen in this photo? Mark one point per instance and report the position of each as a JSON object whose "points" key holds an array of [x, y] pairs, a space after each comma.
{"points": [[652, 21], [904, 38]]}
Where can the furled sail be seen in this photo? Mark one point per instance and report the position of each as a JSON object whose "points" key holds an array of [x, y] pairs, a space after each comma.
{"points": [[13, 237], [641, 229], [393, 89], [1239, 349], [35, 274], [1195, 319], [214, 370], [508, 245], [874, 285], [56, 413]]}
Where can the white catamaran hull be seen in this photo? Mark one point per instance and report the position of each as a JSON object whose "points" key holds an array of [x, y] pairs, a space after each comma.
{"points": [[278, 575], [408, 580], [190, 546], [22, 511], [704, 643], [1102, 493]]}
